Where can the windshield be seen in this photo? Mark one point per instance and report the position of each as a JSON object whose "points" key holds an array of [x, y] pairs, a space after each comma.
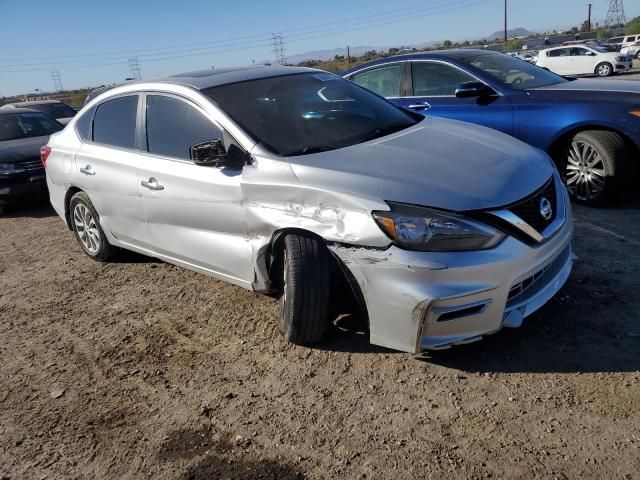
{"points": [[598, 49], [514, 72], [55, 110], [307, 113], [24, 125]]}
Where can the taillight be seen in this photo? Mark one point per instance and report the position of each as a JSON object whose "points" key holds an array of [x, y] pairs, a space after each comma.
{"points": [[45, 150]]}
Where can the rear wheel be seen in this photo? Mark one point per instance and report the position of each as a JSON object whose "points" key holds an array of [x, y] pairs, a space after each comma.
{"points": [[85, 222], [304, 303], [591, 166], [604, 69]]}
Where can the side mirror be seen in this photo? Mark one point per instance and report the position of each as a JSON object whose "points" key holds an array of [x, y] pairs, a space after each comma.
{"points": [[210, 153], [213, 154], [474, 89]]}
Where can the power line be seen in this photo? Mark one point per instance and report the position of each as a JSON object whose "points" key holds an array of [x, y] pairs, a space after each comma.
{"points": [[261, 36], [615, 15], [322, 32]]}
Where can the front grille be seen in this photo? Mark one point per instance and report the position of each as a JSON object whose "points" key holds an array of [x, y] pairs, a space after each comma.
{"points": [[31, 165], [529, 208]]}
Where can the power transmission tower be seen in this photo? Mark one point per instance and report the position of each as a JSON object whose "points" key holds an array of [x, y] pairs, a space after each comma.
{"points": [[615, 15], [57, 81], [134, 67], [277, 40]]}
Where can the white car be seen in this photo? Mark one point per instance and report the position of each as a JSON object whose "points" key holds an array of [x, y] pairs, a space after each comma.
{"points": [[584, 60], [624, 41], [632, 50]]}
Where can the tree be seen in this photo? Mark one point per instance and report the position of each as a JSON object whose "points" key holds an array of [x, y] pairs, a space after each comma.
{"points": [[633, 27], [447, 44], [512, 45]]}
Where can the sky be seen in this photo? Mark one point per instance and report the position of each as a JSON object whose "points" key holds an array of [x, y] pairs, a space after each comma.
{"points": [[90, 42]]}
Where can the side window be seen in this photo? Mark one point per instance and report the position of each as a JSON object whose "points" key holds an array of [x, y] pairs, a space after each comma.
{"points": [[84, 124], [579, 52], [173, 126], [436, 79], [558, 52], [115, 122], [384, 81]]}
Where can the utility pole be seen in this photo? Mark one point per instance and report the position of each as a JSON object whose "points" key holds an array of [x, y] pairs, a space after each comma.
{"points": [[505, 22], [615, 15], [57, 81], [348, 58], [134, 68], [277, 40]]}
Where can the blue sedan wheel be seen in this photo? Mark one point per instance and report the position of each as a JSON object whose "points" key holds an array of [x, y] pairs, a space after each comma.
{"points": [[593, 163]]}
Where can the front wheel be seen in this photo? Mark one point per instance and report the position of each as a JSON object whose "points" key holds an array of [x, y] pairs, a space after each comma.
{"points": [[591, 166], [604, 69], [304, 302]]}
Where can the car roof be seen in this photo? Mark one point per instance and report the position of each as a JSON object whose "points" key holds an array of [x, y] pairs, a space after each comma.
{"points": [[13, 111], [457, 54], [203, 79]]}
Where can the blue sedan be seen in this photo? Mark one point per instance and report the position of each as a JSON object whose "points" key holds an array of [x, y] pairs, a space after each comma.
{"points": [[590, 127]]}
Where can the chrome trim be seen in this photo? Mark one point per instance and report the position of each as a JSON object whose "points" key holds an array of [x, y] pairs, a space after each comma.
{"points": [[516, 221]]}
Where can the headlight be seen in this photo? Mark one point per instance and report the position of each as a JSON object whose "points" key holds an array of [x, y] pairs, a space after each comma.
{"points": [[7, 168], [428, 230]]}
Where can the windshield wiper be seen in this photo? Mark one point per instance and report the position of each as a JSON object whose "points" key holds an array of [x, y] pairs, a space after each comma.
{"points": [[310, 149]]}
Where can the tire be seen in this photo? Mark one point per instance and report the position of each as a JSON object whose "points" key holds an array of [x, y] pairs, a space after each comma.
{"points": [[92, 239], [604, 69], [305, 280], [638, 55], [592, 166]]}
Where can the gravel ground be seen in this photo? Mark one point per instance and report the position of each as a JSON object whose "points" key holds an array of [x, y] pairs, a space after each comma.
{"points": [[139, 369]]}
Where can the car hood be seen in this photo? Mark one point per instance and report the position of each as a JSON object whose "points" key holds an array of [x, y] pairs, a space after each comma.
{"points": [[439, 163], [594, 85], [12, 151]]}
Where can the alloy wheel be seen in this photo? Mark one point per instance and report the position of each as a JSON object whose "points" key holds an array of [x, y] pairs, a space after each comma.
{"points": [[585, 171], [86, 228], [604, 70]]}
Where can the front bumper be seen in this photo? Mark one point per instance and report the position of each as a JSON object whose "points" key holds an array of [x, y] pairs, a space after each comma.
{"points": [[624, 66], [22, 188], [431, 300]]}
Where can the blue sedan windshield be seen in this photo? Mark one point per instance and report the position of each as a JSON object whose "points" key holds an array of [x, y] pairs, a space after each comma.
{"points": [[514, 72]]}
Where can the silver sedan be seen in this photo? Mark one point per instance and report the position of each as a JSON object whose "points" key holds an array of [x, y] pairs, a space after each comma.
{"points": [[289, 181]]}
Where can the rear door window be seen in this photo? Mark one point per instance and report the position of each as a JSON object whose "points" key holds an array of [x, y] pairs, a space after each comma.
{"points": [[173, 126], [437, 79], [115, 122], [384, 81], [558, 52], [84, 124]]}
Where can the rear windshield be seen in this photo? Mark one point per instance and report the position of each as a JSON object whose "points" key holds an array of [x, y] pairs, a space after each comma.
{"points": [[55, 110], [24, 125], [308, 113]]}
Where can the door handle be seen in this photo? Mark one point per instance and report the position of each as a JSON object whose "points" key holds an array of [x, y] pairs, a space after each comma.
{"points": [[425, 105], [87, 170], [152, 184]]}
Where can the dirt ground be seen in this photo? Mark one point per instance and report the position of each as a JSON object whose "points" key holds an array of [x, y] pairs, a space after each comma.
{"points": [[139, 369]]}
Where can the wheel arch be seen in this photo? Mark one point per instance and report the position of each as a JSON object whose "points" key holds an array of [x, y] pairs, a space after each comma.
{"points": [[563, 137], [340, 273], [67, 201]]}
